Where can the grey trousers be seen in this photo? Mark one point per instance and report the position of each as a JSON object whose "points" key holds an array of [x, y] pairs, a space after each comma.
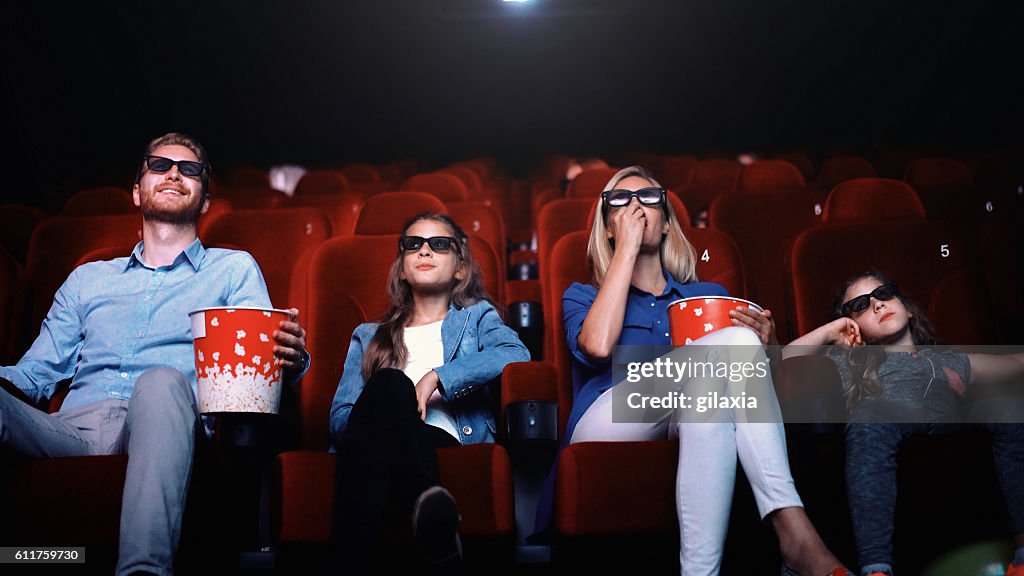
{"points": [[157, 428]]}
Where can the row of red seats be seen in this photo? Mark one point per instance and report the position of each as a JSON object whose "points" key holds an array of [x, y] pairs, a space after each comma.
{"points": [[763, 225], [334, 299]]}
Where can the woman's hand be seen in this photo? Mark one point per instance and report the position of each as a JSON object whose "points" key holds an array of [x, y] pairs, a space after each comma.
{"points": [[627, 225], [760, 322], [424, 389], [844, 332]]}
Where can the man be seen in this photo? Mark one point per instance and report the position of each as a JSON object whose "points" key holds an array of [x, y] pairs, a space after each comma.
{"points": [[120, 330]]}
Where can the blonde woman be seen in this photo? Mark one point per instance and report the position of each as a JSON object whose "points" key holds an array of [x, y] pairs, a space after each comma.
{"points": [[641, 262]]}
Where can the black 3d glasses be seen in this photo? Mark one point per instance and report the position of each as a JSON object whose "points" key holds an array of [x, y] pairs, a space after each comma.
{"points": [[436, 243], [189, 168], [859, 304]]}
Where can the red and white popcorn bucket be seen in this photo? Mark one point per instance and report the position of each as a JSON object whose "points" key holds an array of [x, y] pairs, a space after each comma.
{"points": [[234, 354], [691, 318]]}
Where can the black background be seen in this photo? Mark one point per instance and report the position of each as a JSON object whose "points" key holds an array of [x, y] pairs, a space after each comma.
{"points": [[325, 83]]}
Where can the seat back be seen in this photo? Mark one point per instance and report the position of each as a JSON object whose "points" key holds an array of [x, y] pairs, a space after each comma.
{"points": [[589, 183], [872, 200], [250, 197], [557, 219], [99, 201], [763, 225], [710, 178], [341, 209], [445, 186], [801, 161], [945, 185], [387, 213], [275, 238], [322, 181], [59, 242], [836, 169], [676, 171], [766, 175], [930, 260], [568, 264], [483, 220], [470, 178], [345, 286]]}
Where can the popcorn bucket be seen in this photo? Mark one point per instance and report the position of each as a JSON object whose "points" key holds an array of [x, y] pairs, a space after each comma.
{"points": [[692, 318], [234, 354]]}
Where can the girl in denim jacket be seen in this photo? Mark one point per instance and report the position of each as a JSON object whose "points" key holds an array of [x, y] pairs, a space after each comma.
{"points": [[414, 382]]}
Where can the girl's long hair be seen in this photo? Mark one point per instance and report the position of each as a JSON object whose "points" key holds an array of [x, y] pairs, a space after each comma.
{"points": [[865, 361], [387, 348], [677, 254]]}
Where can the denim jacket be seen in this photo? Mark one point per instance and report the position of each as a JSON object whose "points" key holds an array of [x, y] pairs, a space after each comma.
{"points": [[477, 346]]}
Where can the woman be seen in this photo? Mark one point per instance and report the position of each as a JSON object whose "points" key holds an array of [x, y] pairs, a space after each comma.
{"points": [[895, 390], [642, 261], [414, 382]]}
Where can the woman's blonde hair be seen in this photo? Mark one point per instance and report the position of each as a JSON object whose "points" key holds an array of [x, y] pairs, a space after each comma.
{"points": [[677, 254]]}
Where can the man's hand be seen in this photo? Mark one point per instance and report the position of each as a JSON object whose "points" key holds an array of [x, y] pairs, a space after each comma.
{"points": [[290, 347]]}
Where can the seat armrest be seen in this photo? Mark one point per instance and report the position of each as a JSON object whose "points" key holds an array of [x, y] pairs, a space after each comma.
{"points": [[529, 401]]}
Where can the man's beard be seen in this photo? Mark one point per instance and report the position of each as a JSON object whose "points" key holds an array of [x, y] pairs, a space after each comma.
{"points": [[185, 216]]}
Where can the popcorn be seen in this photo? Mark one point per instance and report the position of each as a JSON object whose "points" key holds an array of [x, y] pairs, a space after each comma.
{"points": [[239, 390]]}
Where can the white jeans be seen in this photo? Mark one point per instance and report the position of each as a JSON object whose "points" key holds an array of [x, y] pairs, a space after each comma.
{"points": [[706, 471]]}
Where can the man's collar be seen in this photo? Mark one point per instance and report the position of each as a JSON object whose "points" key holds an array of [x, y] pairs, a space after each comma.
{"points": [[194, 253]]}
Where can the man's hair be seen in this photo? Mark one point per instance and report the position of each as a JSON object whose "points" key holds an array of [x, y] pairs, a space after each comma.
{"points": [[179, 139]]}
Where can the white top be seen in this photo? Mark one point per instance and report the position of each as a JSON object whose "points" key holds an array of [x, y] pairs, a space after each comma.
{"points": [[426, 352]]}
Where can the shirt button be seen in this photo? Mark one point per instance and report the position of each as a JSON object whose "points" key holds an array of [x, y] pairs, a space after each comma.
{"points": [[123, 375], [652, 304], [666, 333], [467, 430], [149, 297], [115, 394]]}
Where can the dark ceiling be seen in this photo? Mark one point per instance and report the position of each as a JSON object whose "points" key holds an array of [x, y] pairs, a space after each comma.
{"points": [[320, 82]]}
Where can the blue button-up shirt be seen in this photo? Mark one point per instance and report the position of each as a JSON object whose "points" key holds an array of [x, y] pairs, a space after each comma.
{"points": [[111, 321], [645, 323]]}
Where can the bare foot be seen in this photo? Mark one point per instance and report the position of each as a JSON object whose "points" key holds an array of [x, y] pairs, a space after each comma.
{"points": [[801, 547]]}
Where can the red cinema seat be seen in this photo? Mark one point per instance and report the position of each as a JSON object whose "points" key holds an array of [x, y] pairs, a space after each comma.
{"points": [[99, 201], [836, 169], [446, 187], [59, 242], [763, 225], [322, 181], [872, 200], [276, 238], [930, 260], [387, 213], [345, 278]]}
